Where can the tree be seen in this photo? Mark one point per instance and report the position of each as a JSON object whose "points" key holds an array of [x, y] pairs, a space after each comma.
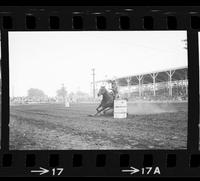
{"points": [[36, 93], [71, 95], [62, 92]]}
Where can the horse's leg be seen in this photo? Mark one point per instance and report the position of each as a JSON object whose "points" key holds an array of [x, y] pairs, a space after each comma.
{"points": [[107, 110], [99, 111], [99, 107], [109, 106]]}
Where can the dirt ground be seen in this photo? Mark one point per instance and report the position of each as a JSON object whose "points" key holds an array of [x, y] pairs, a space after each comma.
{"points": [[55, 127]]}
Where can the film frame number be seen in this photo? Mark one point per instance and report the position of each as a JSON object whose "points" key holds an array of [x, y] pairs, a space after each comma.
{"points": [[57, 171], [150, 170], [53, 171], [144, 170]]}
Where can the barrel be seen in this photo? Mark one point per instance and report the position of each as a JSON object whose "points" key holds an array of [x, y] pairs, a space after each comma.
{"points": [[67, 103], [120, 108]]}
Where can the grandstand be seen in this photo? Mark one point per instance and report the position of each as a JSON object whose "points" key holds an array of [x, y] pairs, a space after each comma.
{"points": [[171, 84]]}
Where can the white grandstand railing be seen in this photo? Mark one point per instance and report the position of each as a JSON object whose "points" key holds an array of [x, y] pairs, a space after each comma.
{"points": [[150, 86]]}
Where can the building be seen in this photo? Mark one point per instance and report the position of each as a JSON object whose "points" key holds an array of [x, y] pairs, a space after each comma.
{"points": [[171, 83]]}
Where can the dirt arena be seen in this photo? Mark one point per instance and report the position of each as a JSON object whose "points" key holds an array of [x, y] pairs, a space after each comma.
{"points": [[53, 126]]}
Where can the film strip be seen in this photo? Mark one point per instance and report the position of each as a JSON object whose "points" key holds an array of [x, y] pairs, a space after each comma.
{"points": [[102, 145]]}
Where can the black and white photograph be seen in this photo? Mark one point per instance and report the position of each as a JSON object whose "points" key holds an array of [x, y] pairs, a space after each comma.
{"points": [[199, 85], [98, 90], [0, 90]]}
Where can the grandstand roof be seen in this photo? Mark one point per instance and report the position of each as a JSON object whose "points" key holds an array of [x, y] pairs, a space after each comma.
{"points": [[180, 73]]}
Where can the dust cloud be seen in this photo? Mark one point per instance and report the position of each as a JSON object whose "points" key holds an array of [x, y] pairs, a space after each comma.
{"points": [[150, 108]]}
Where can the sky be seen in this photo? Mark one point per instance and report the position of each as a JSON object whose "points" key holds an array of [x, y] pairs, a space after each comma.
{"points": [[46, 60]]}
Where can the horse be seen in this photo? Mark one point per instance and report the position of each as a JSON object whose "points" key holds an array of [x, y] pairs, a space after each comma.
{"points": [[107, 102]]}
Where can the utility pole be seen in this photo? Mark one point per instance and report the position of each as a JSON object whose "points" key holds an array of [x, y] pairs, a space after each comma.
{"points": [[93, 77]]}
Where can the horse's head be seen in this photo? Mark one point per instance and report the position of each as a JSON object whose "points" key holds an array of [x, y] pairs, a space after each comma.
{"points": [[102, 91]]}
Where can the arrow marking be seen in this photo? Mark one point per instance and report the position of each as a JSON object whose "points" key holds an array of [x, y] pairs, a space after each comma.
{"points": [[132, 170], [41, 171]]}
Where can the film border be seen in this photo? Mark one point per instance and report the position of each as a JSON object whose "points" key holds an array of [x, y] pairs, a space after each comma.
{"points": [[62, 19]]}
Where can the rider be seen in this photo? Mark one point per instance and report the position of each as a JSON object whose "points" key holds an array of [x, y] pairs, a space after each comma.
{"points": [[114, 89]]}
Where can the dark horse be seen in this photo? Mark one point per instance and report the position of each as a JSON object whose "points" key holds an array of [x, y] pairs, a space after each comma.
{"points": [[107, 102]]}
